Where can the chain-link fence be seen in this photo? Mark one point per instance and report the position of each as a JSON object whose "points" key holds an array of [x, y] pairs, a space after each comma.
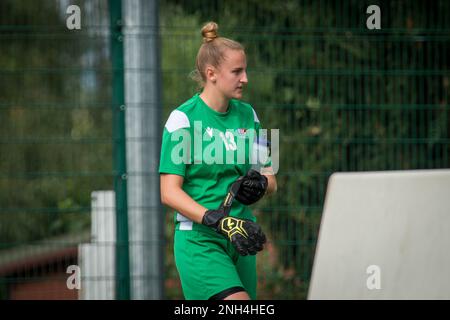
{"points": [[344, 97]]}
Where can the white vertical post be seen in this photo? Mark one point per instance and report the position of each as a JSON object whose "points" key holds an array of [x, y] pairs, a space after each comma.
{"points": [[97, 259], [143, 108]]}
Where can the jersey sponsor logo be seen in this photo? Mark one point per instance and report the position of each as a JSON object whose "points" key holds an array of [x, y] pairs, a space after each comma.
{"points": [[209, 131], [241, 131]]}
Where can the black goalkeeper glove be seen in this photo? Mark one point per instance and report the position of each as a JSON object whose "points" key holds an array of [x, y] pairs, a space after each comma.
{"points": [[253, 187], [246, 236]]}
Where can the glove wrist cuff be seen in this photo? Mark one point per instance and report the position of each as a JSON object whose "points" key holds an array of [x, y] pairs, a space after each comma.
{"points": [[212, 218]]}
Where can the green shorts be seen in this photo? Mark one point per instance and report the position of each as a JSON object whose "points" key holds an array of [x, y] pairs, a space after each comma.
{"points": [[209, 264]]}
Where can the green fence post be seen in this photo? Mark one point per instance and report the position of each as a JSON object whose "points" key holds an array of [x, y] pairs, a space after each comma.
{"points": [[119, 150]]}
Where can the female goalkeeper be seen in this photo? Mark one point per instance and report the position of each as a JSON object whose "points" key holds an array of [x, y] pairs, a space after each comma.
{"points": [[202, 155]]}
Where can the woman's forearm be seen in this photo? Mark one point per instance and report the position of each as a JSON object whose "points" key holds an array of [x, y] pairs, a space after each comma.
{"points": [[179, 200], [175, 197], [271, 184]]}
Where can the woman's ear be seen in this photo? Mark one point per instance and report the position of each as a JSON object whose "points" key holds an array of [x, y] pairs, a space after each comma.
{"points": [[211, 73]]}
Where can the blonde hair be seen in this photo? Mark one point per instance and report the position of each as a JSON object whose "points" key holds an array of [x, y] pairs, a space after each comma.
{"points": [[212, 51]]}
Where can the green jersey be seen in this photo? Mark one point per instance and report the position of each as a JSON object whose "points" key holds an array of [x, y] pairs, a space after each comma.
{"points": [[210, 150]]}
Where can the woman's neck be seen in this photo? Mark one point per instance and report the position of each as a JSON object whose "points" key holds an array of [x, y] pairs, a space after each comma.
{"points": [[215, 100]]}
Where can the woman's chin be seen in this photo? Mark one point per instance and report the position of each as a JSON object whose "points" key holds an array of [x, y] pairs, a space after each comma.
{"points": [[237, 95]]}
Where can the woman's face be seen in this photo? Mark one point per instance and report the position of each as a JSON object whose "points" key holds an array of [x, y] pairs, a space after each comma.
{"points": [[231, 75]]}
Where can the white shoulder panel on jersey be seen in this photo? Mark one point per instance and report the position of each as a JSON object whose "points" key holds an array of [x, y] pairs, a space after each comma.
{"points": [[255, 116], [177, 120]]}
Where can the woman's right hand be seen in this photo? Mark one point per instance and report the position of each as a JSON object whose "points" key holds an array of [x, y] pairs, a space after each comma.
{"points": [[245, 235]]}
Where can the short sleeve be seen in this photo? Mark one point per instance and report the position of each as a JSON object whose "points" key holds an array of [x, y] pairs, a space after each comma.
{"points": [[175, 146]]}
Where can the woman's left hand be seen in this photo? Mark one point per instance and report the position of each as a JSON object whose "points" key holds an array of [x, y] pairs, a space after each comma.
{"points": [[253, 187]]}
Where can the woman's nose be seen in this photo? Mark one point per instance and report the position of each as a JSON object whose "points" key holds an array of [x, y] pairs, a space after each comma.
{"points": [[244, 78]]}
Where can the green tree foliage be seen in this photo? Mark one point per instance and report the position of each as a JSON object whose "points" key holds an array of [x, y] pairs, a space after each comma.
{"points": [[55, 122]]}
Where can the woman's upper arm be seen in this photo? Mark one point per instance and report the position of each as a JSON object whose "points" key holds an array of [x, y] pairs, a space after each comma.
{"points": [[169, 182]]}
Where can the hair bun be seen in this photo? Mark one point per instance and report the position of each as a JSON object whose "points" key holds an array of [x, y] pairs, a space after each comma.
{"points": [[209, 31]]}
